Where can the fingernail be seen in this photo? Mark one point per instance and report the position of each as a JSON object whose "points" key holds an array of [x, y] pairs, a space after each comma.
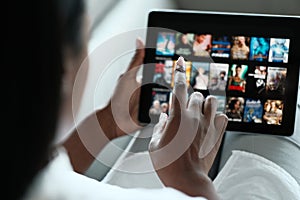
{"points": [[198, 95], [180, 64], [181, 61], [162, 116]]}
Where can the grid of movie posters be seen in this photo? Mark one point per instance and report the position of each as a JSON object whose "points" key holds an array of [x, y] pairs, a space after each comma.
{"points": [[247, 74]]}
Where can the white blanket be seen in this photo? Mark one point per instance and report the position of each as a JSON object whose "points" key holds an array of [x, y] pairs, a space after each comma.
{"points": [[244, 176], [250, 176]]}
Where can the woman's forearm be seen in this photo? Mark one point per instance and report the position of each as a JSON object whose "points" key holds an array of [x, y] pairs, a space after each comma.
{"points": [[88, 139]]}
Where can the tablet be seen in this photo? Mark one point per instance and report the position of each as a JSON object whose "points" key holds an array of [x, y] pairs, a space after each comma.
{"points": [[249, 62]]}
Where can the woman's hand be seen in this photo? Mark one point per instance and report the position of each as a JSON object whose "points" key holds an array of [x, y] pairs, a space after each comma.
{"points": [[184, 145], [120, 116], [116, 119]]}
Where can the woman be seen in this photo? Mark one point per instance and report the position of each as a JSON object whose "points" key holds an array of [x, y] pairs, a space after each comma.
{"points": [[47, 170]]}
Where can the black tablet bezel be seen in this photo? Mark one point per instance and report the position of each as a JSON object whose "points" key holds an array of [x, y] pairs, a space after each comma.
{"points": [[231, 24]]}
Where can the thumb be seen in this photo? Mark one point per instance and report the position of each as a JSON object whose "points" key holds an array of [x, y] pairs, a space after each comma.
{"points": [[139, 55]]}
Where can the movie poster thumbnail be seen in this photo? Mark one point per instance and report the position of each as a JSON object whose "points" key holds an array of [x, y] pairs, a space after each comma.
{"points": [[256, 82], [218, 77], [165, 44], [199, 75], [240, 48], [184, 44], [234, 108], [259, 48], [276, 80], [202, 45], [253, 111], [160, 103], [237, 78], [273, 110], [279, 50], [221, 46], [163, 73]]}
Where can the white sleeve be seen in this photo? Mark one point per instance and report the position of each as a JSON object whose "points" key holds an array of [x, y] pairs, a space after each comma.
{"points": [[143, 194], [59, 181]]}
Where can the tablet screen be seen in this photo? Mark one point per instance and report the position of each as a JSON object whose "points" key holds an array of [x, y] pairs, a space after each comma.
{"points": [[248, 62]]}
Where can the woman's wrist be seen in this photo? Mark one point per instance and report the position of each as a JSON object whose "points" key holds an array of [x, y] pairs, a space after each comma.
{"points": [[199, 184], [107, 122], [193, 183]]}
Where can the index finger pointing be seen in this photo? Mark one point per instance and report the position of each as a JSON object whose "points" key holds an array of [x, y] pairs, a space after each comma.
{"points": [[180, 86]]}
